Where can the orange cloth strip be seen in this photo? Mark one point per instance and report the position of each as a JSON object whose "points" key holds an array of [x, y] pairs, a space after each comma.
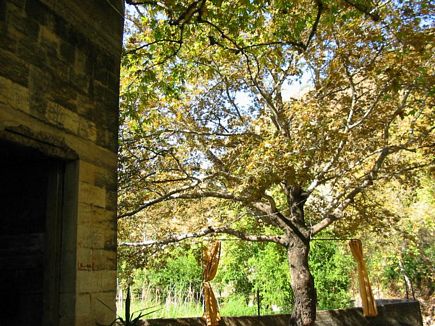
{"points": [[210, 262], [365, 290]]}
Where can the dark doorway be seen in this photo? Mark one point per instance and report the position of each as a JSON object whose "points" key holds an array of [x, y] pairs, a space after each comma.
{"points": [[31, 191]]}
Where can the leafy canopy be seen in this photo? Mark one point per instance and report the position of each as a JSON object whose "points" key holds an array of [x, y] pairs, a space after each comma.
{"points": [[206, 111]]}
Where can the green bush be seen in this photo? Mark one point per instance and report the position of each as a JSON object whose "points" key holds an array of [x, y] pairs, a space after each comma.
{"points": [[331, 265]]}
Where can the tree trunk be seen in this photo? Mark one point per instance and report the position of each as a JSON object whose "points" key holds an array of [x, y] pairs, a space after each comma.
{"points": [[302, 283]]}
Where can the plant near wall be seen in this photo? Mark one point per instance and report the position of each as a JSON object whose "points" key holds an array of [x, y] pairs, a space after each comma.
{"points": [[130, 319]]}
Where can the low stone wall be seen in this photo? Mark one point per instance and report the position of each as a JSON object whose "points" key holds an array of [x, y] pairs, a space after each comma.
{"points": [[398, 313]]}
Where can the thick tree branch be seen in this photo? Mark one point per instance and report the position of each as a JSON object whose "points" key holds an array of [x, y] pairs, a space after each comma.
{"points": [[168, 196], [152, 43], [280, 219], [183, 193], [316, 22], [210, 230], [143, 2]]}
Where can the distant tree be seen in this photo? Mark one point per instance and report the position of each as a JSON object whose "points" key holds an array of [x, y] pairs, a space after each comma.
{"points": [[206, 116], [401, 260]]}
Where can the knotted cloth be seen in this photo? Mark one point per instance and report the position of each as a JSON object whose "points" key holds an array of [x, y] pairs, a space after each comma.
{"points": [[365, 290], [210, 263]]}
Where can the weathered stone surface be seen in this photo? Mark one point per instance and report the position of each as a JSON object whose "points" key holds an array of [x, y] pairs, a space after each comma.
{"points": [[29, 51], [37, 11], [101, 303], [84, 303], [7, 43], [18, 24], [13, 68], [14, 95], [95, 281]]}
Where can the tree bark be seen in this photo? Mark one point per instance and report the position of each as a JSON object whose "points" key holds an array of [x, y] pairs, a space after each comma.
{"points": [[302, 283]]}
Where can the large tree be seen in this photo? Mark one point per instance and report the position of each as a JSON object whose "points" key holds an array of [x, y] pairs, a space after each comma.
{"points": [[210, 112]]}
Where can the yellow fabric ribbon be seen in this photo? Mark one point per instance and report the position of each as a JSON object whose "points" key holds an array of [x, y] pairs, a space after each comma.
{"points": [[365, 290], [210, 262]]}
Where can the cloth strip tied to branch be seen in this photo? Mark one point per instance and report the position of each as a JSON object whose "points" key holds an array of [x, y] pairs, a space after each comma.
{"points": [[211, 258], [365, 290]]}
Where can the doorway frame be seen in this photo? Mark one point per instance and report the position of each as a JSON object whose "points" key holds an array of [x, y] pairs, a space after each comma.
{"points": [[60, 272]]}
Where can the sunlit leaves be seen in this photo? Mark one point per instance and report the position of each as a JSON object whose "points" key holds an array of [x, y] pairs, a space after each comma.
{"points": [[203, 111]]}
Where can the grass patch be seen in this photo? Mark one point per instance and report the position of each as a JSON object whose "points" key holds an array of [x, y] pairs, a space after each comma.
{"points": [[232, 307]]}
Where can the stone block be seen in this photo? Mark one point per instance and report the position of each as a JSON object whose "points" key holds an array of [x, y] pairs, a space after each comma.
{"points": [[19, 25], [64, 94], [106, 62], [106, 179], [18, 3], [107, 112], [81, 62], [90, 152], [84, 259], [48, 38], [13, 68], [14, 95], [88, 281], [87, 172], [96, 216], [87, 129], [111, 200], [38, 105], [80, 82], [83, 304], [89, 237], [96, 236], [61, 69], [107, 139], [104, 307], [113, 80], [84, 320], [31, 52], [7, 43], [102, 75], [36, 11], [3, 15], [67, 31], [103, 259], [102, 94], [90, 194], [40, 80], [62, 117], [96, 281], [67, 52], [70, 121]]}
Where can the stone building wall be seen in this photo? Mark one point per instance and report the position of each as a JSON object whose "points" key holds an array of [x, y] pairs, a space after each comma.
{"points": [[59, 75]]}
